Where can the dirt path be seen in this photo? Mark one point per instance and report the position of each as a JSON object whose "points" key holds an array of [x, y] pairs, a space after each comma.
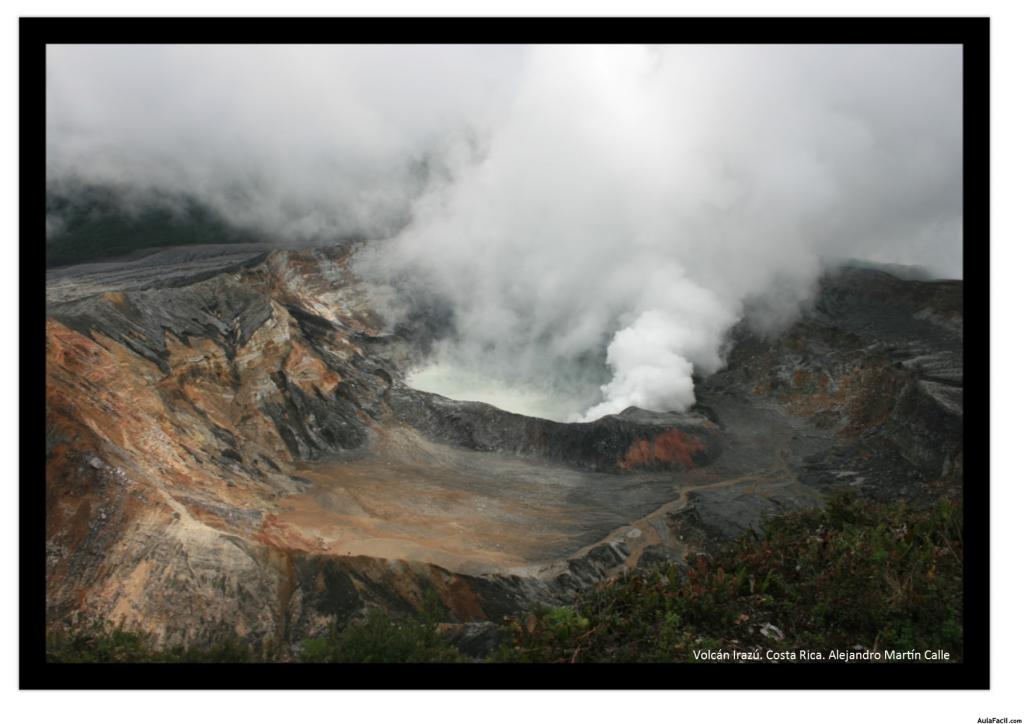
{"points": [[653, 528]]}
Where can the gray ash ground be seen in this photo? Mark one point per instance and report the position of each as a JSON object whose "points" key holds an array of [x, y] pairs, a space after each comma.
{"points": [[269, 458]]}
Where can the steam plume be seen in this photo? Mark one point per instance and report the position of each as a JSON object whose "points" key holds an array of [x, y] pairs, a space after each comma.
{"points": [[596, 217]]}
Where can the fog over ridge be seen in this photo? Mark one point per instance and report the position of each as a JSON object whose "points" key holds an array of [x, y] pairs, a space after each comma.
{"points": [[576, 206]]}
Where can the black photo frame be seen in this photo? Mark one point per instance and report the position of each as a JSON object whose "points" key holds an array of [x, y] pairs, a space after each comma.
{"points": [[36, 33]]}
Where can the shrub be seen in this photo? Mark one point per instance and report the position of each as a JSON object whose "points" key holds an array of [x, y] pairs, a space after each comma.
{"points": [[380, 638], [98, 644], [854, 574]]}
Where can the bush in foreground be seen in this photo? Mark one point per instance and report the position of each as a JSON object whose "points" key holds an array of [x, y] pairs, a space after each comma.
{"points": [[852, 575], [379, 638], [96, 644]]}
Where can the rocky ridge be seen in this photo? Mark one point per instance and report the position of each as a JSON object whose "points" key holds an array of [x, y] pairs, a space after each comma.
{"points": [[231, 448]]}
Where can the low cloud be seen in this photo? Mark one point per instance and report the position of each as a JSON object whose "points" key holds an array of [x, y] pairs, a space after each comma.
{"points": [[596, 217]]}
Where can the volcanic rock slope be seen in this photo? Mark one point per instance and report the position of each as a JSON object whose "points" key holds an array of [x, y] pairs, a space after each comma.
{"points": [[230, 448]]}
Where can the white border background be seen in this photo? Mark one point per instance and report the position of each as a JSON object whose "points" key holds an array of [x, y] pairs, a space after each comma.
{"points": [[1004, 700]]}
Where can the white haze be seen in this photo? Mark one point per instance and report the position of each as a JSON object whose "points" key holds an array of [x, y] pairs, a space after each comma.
{"points": [[302, 142], [596, 217]]}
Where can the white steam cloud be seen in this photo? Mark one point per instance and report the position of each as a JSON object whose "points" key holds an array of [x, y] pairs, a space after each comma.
{"points": [[596, 217]]}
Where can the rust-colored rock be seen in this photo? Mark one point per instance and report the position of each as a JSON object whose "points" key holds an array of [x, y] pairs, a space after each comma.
{"points": [[227, 454], [669, 449]]}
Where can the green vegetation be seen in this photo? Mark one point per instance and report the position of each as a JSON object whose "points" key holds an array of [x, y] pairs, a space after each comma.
{"points": [[854, 574], [380, 639], [377, 638], [99, 645]]}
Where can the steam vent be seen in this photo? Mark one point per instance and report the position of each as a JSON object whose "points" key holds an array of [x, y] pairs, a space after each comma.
{"points": [[231, 448]]}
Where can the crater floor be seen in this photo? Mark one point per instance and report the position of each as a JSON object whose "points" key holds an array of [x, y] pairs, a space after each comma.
{"points": [[231, 446]]}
